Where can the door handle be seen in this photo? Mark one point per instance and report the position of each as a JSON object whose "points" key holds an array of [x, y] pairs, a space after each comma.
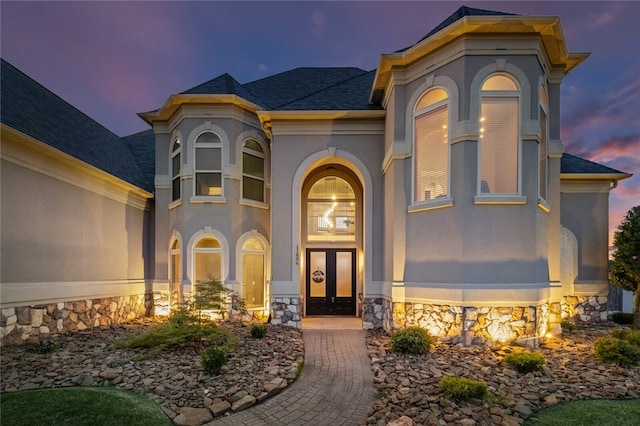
{"points": [[333, 299]]}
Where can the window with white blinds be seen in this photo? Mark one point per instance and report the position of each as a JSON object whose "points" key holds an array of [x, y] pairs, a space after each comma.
{"points": [[499, 140], [431, 148]]}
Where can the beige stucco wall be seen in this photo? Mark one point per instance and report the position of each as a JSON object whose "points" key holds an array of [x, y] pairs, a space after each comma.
{"points": [[190, 217], [466, 252], [298, 148], [585, 212], [68, 231]]}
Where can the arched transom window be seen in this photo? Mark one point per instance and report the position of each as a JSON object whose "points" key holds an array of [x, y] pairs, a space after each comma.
{"points": [[208, 259], [431, 146], [208, 165], [331, 210], [252, 171], [499, 136], [253, 273]]}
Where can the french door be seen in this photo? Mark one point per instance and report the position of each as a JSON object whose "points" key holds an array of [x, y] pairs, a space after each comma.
{"points": [[331, 281]]}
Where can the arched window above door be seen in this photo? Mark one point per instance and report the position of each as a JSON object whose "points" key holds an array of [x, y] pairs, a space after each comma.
{"points": [[331, 210]]}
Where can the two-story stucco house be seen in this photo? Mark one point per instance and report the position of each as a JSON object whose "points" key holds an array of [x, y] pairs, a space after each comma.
{"points": [[433, 190]]}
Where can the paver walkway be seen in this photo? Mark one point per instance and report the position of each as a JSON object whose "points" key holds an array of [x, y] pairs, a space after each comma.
{"points": [[335, 387]]}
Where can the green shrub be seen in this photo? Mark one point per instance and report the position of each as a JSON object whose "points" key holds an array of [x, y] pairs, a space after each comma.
{"points": [[621, 318], [631, 336], [213, 358], [567, 326], [461, 388], [524, 362], [612, 350], [44, 347], [412, 339], [258, 331]]}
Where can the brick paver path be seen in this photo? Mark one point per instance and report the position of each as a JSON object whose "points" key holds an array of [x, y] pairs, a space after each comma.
{"points": [[335, 387]]}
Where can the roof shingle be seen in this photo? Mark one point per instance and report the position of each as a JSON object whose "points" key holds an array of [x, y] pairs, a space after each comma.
{"points": [[32, 109]]}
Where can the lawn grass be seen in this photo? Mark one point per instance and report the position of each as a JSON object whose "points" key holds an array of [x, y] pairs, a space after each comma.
{"points": [[592, 412], [80, 406]]}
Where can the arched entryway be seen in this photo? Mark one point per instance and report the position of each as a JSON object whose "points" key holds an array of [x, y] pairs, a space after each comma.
{"points": [[331, 238]]}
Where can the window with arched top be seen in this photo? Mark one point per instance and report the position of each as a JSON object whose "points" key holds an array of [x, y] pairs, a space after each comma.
{"points": [[175, 272], [543, 147], [499, 136], [175, 170], [253, 273], [207, 255], [431, 146], [208, 165], [331, 210], [253, 171]]}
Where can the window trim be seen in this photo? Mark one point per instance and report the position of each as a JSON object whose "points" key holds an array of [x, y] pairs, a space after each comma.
{"points": [[207, 232], [267, 259], [205, 145], [435, 203], [263, 155], [501, 198]]}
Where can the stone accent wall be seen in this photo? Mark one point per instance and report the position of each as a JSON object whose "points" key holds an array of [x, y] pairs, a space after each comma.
{"points": [[32, 323], [585, 308], [372, 313], [287, 311], [470, 325]]}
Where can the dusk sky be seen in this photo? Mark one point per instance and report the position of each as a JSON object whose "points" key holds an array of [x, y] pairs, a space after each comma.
{"points": [[112, 60]]}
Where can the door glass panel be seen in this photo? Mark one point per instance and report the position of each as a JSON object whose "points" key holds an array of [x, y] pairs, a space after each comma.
{"points": [[318, 274], [344, 274]]}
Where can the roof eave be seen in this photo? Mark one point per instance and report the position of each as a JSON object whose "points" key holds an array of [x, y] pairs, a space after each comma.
{"points": [[176, 101], [548, 27], [611, 177]]}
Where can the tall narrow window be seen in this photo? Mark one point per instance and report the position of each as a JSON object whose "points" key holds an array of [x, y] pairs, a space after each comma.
{"points": [[544, 108], [253, 273], [431, 146], [499, 136], [175, 273], [208, 259], [252, 171], [175, 170], [208, 170]]}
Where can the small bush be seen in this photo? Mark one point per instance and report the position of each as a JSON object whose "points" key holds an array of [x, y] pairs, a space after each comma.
{"points": [[44, 347], [414, 340], [524, 362], [461, 388], [567, 326], [621, 318], [258, 331], [631, 336], [213, 358], [612, 350]]}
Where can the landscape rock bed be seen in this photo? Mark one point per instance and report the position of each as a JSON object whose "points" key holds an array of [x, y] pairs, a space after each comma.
{"points": [[257, 369], [407, 386]]}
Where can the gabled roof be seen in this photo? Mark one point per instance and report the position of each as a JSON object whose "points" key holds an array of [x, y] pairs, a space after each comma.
{"points": [[468, 21], [224, 84], [573, 165], [142, 146], [282, 90], [457, 15], [352, 94], [33, 110]]}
